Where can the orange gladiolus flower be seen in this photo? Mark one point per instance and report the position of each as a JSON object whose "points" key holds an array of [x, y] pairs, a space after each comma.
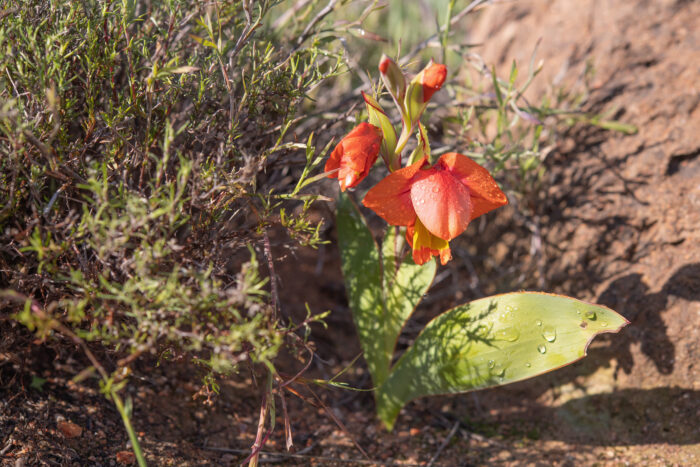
{"points": [[355, 155], [433, 78], [436, 203]]}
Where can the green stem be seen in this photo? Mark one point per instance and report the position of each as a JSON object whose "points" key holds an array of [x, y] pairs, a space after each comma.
{"points": [[401, 144], [135, 446]]}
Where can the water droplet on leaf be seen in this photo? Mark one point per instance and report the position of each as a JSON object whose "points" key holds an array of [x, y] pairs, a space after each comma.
{"points": [[542, 348], [492, 364], [528, 364], [549, 334], [590, 315], [508, 334], [539, 322]]}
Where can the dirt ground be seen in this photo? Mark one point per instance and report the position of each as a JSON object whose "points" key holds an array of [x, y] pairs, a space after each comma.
{"points": [[619, 224]]}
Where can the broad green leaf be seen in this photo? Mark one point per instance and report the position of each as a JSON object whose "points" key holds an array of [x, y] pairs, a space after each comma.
{"points": [[493, 341], [382, 292], [405, 283], [363, 283]]}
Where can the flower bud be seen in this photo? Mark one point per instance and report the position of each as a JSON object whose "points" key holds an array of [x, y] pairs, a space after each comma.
{"points": [[393, 78], [433, 78]]}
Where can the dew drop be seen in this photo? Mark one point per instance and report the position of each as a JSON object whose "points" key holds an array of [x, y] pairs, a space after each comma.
{"points": [[501, 373], [492, 364], [603, 323], [528, 364], [508, 334], [542, 348], [509, 308], [549, 334], [539, 322], [590, 315]]}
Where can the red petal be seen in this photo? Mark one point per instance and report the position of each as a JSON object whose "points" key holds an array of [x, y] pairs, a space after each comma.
{"points": [[355, 155], [441, 202], [391, 198], [483, 189], [433, 78], [333, 161]]}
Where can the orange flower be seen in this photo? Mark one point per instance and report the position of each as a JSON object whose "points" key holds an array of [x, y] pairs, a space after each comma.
{"points": [[437, 203], [433, 78], [355, 155]]}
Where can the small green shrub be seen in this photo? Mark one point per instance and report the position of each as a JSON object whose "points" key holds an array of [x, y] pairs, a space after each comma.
{"points": [[138, 142]]}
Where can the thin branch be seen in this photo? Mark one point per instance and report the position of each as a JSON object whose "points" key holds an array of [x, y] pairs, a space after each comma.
{"points": [[273, 277], [456, 18], [321, 14], [444, 444]]}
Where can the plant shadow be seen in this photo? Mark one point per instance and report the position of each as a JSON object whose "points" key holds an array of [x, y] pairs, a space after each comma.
{"points": [[619, 418]]}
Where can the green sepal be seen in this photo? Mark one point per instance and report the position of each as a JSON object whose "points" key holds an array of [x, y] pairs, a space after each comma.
{"points": [[413, 102], [379, 118]]}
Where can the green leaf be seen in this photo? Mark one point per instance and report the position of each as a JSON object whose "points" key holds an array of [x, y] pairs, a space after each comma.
{"points": [[363, 282], [383, 293], [405, 283], [493, 341]]}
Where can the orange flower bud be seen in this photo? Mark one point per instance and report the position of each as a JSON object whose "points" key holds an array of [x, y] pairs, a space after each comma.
{"points": [[393, 78], [384, 65], [355, 155], [433, 78]]}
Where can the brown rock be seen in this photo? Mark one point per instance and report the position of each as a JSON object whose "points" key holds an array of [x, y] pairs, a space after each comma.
{"points": [[126, 457], [69, 429]]}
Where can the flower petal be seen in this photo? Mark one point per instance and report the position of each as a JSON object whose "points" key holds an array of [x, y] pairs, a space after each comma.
{"points": [[391, 198], [333, 161], [355, 155], [483, 189], [426, 245], [441, 202]]}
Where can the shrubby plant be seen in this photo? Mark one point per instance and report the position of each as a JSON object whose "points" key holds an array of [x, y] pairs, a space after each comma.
{"points": [[139, 145]]}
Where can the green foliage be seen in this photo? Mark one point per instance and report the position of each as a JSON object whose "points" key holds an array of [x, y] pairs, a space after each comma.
{"points": [[383, 289], [493, 341], [142, 146]]}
